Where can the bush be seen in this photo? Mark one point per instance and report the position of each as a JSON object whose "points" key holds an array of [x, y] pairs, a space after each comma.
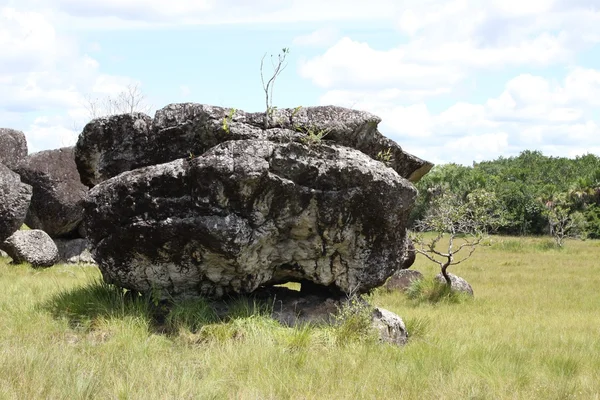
{"points": [[592, 216], [354, 322], [434, 291]]}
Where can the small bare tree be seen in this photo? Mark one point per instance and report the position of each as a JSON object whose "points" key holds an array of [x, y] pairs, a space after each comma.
{"points": [[562, 220], [465, 223], [278, 66], [130, 100]]}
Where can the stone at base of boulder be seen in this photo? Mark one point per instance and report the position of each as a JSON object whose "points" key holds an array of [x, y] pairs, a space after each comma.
{"points": [[75, 251], [33, 246], [402, 280], [458, 283], [390, 326], [3, 254]]}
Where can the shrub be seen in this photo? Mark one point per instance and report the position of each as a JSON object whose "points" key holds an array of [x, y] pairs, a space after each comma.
{"points": [[191, 315], [354, 322], [434, 291]]}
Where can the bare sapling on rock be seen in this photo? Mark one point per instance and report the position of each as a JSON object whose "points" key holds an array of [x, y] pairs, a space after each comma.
{"points": [[465, 224], [278, 66]]}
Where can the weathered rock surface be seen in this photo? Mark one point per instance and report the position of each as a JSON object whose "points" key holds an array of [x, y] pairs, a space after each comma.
{"points": [[390, 326], [458, 283], [409, 255], [74, 251], [32, 246], [111, 145], [14, 202], [403, 279], [249, 213], [57, 201], [13, 147]]}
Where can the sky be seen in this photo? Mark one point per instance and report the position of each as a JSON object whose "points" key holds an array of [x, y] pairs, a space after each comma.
{"points": [[452, 80]]}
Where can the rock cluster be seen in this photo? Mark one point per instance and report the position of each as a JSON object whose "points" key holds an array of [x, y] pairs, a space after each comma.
{"points": [[42, 190], [202, 200]]}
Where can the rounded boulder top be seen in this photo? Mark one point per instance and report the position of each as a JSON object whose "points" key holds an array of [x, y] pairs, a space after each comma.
{"points": [[13, 147]]}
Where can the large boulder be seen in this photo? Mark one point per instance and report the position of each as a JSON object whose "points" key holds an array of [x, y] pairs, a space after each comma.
{"points": [[14, 202], [111, 145], [32, 246], [13, 147], [57, 201], [249, 213]]}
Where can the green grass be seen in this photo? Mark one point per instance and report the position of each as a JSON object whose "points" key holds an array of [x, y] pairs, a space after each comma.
{"points": [[531, 332]]}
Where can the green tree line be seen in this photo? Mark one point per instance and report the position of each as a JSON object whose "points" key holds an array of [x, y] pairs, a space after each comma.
{"points": [[531, 194]]}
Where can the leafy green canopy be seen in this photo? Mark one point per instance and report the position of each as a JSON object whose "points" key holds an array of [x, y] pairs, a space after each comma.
{"points": [[524, 187]]}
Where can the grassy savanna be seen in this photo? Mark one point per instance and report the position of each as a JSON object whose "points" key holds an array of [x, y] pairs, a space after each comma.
{"points": [[531, 332]]}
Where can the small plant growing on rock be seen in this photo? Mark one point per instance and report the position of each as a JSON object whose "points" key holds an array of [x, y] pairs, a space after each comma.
{"points": [[227, 120], [278, 66], [313, 135], [295, 112], [385, 156]]}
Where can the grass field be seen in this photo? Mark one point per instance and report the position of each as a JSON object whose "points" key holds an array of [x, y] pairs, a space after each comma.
{"points": [[531, 332]]}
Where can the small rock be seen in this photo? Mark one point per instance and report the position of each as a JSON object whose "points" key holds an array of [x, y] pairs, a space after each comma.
{"points": [[390, 326], [33, 246], [75, 251], [403, 279], [458, 283]]}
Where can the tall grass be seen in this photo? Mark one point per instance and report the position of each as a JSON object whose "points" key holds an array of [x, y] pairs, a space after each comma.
{"points": [[531, 332]]}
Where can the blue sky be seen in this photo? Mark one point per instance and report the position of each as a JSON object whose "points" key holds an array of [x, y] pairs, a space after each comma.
{"points": [[453, 80]]}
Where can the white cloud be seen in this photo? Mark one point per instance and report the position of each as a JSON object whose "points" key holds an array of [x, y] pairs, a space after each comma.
{"points": [[421, 65], [51, 132], [441, 52], [42, 71], [356, 64], [530, 113], [319, 38], [522, 8], [382, 97], [185, 90], [477, 147], [132, 14], [450, 44], [441, 47]]}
